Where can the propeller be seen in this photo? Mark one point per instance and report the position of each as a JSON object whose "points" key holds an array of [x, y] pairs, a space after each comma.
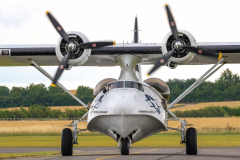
{"points": [[179, 45], [161, 61], [71, 47], [60, 69]]}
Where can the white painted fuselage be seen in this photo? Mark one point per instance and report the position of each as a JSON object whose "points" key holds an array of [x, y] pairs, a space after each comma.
{"points": [[127, 112]]}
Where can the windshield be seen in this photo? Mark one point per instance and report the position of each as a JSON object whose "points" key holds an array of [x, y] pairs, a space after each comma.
{"points": [[128, 84], [113, 85]]}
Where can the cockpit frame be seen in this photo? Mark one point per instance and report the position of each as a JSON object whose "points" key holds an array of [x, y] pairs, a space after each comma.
{"points": [[125, 84]]}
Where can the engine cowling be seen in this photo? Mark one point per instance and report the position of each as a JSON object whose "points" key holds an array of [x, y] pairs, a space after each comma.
{"points": [[80, 55], [181, 56], [102, 84], [160, 86]]}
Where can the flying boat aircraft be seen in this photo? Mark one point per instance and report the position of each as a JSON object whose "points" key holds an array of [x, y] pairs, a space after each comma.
{"points": [[128, 109]]}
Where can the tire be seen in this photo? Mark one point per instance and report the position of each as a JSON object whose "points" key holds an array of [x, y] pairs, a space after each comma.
{"points": [[125, 146], [67, 142], [191, 141]]}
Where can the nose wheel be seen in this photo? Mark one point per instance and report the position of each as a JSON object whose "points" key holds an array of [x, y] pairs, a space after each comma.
{"points": [[125, 146]]}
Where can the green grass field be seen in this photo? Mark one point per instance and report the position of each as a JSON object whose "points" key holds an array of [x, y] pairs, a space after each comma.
{"points": [[105, 141], [14, 155]]}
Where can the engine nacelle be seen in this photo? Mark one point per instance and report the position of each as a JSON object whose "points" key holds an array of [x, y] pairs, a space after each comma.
{"points": [[80, 55], [181, 56], [160, 86], [102, 84]]}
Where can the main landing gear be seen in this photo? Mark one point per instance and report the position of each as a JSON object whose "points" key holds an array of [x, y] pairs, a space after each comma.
{"points": [[190, 137], [67, 142], [191, 141], [69, 137]]}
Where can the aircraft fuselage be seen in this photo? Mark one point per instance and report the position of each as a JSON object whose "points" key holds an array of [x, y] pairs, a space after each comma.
{"points": [[128, 109]]}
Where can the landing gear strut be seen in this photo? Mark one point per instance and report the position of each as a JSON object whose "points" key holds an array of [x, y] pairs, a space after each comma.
{"points": [[190, 138], [69, 137]]}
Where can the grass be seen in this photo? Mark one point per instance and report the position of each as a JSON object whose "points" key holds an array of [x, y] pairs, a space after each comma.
{"points": [[203, 125], [13, 155], [206, 104], [105, 141], [222, 122], [178, 105], [73, 91], [36, 127], [62, 108]]}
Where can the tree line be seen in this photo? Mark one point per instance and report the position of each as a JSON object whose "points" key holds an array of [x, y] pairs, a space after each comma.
{"points": [[42, 95], [225, 88], [211, 111], [39, 111]]}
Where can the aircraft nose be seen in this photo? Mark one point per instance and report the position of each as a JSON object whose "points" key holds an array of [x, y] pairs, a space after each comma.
{"points": [[123, 101]]}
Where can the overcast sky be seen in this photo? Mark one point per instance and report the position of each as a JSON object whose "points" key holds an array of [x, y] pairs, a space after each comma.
{"points": [[25, 22]]}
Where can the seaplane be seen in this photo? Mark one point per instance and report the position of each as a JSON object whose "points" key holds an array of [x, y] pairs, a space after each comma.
{"points": [[127, 109]]}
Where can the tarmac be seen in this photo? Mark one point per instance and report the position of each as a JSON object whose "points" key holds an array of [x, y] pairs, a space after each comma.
{"points": [[113, 153]]}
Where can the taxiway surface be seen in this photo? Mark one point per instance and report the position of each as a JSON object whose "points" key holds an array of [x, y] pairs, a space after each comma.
{"points": [[113, 153]]}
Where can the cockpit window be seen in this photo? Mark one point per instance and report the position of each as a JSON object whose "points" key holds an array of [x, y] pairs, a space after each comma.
{"points": [[129, 84], [113, 85]]}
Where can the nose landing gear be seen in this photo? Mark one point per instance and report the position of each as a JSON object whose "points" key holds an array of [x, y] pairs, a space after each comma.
{"points": [[125, 146]]}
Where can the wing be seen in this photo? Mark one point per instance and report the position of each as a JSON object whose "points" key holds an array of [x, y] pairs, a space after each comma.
{"points": [[230, 50], [44, 55]]}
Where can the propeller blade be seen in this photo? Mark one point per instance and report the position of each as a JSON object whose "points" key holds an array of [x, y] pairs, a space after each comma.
{"points": [[161, 61], [96, 44], [58, 27], [172, 22], [200, 51], [61, 68]]}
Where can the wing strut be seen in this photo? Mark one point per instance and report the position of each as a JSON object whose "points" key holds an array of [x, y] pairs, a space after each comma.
{"points": [[203, 78], [58, 84], [74, 123]]}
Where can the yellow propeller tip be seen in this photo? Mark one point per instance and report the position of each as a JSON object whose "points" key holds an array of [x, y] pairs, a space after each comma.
{"points": [[47, 12], [53, 85], [220, 56], [166, 4], [148, 75], [114, 42]]}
